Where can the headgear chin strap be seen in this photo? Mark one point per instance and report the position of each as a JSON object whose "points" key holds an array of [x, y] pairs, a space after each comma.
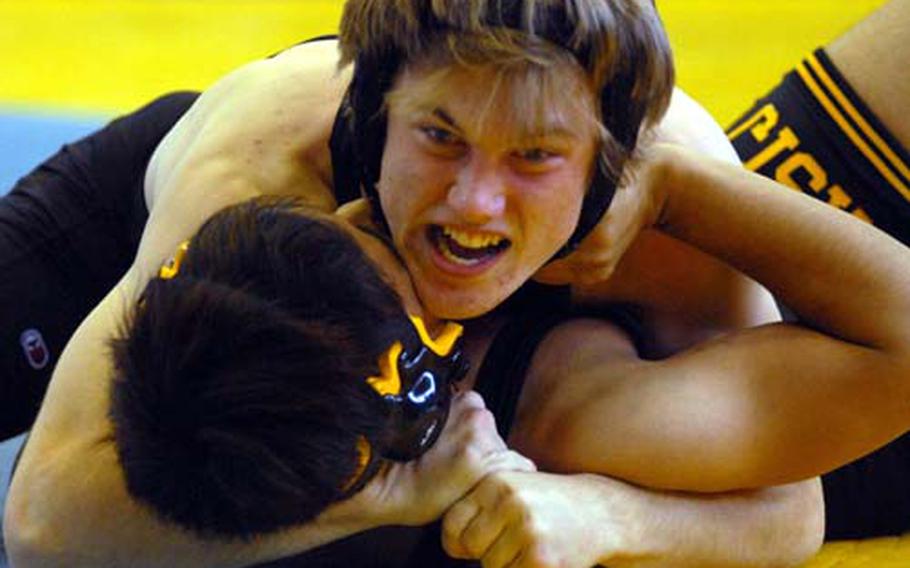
{"points": [[416, 384]]}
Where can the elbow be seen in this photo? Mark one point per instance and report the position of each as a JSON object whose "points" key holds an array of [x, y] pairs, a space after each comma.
{"points": [[27, 539], [31, 531]]}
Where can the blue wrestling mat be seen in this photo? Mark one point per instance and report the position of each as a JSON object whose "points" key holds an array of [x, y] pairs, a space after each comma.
{"points": [[28, 138], [8, 451]]}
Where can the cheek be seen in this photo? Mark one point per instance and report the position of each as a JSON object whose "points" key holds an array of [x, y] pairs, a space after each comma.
{"points": [[410, 182], [550, 210]]}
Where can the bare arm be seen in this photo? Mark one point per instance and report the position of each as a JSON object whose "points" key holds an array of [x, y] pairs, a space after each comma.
{"points": [[68, 504], [542, 520], [759, 407], [684, 295]]}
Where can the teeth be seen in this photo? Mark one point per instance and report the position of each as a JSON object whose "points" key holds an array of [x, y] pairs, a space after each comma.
{"points": [[471, 240]]}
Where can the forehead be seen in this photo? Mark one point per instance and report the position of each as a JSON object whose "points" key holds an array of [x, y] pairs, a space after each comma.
{"points": [[520, 101]]}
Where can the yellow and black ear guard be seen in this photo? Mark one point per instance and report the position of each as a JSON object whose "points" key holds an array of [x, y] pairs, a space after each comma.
{"points": [[417, 386], [367, 466], [172, 267], [416, 383]]}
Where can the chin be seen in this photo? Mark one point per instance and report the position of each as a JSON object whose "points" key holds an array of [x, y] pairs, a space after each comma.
{"points": [[454, 307]]}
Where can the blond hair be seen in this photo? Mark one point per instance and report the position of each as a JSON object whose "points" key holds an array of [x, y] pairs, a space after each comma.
{"points": [[530, 87]]}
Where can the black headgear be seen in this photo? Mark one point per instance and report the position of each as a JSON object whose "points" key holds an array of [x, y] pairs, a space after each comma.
{"points": [[363, 122], [417, 376]]}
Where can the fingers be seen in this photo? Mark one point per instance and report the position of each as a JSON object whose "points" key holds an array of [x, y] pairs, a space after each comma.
{"points": [[506, 552], [474, 524], [454, 523], [466, 401], [510, 460]]}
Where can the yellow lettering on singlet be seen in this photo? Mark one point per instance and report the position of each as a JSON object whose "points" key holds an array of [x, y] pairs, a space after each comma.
{"points": [[862, 215], [840, 199], [818, 177], [786, 140], [759, 124]]}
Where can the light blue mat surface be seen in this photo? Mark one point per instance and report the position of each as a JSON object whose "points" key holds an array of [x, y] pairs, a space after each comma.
{"points": [[8, 451], [28, 138]]}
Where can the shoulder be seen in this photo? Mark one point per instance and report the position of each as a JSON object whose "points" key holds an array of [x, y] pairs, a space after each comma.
{"points": [[267, 122], [689, 124], [263, 129]]}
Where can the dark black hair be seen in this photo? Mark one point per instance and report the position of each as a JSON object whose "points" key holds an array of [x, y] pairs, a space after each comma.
{"points": [[239, 393]]}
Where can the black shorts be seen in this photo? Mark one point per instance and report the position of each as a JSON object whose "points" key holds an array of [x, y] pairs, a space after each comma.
{"points": [[815, 134], [68, 232]]}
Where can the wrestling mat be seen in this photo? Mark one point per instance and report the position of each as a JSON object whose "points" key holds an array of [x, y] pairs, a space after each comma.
{"points": [[70, 65]]}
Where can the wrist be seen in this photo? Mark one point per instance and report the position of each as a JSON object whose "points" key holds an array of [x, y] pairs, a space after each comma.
{"points": [[622, 535], [355, 514]]}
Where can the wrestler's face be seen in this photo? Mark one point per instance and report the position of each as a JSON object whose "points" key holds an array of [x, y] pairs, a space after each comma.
{"points": [[477, 194]]}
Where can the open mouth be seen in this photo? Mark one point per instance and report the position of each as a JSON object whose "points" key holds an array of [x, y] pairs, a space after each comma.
{"points": [[465, 248]]}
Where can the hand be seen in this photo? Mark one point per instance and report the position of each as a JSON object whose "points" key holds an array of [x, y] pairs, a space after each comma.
{"points": [[524, 520], [419, 492], [358, 212], [635, 207]]}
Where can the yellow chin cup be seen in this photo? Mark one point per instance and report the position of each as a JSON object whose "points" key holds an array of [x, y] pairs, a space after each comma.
{"points": [[171, 269], [389, 381], [443, 344]]}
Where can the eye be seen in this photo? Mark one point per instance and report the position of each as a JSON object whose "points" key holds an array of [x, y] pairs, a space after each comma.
{"points": [[535, 155], [440, 135]]}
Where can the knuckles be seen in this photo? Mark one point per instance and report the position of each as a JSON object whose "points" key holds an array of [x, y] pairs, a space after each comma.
{"points": [[539, 556]]}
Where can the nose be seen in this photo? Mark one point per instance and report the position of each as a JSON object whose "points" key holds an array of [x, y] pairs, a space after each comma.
{"points": [[479, 191]]}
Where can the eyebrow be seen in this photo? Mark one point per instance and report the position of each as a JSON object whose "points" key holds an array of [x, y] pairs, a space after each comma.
{"points": [[549, 131], [445, 117]]}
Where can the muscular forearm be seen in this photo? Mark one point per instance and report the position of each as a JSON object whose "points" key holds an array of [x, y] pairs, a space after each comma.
{"points": [[779, 526], [59, 515], [831, 269], [543, 519]]}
